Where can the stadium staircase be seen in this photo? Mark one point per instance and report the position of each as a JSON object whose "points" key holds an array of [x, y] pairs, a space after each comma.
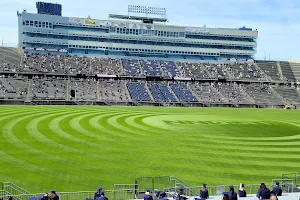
{"points": [[172, 92], [279, 96], [147, 89], [178, 68], [280, 71], [160, 69], [127, 91], [14, 191], [295, 66], [140, 67], [267, 77], [246, 94], [27, 100], [190, 89], [223, 98], [68, 89], [97, 91]]}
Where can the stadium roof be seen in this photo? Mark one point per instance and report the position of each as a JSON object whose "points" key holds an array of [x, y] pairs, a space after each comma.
{"points": [[137, 18]]}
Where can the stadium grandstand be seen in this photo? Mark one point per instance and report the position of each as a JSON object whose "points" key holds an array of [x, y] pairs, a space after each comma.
{"points": [[132, 60]]}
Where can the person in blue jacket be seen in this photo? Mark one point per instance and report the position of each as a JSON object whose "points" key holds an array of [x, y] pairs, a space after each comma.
{"points": [[277, 189], [204, 192], [163, 195], [263, 192], [242, 192], [148, 195]]}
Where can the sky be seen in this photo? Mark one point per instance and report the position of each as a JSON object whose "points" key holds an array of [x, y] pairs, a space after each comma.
{"points": [[277, 21]]}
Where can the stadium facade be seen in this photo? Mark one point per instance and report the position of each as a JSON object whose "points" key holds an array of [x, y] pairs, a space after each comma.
{"points": [[128, 35]]}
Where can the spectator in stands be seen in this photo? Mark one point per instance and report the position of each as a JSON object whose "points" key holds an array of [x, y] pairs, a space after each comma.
{"points": [[277, 189], [45, 197], [263, 192], [181, 190], [53, 195], [148, 195], [204, 192], [157, 196], [232, 195], [242, 191], [102, 195], [98, 193]]}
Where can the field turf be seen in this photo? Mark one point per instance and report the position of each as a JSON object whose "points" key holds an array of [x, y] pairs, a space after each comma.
{"points": [[78, 148]]}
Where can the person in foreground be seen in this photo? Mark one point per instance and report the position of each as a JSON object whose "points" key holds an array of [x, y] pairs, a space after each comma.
{"points": [[231, 194], [204, 192], [273, 196], [102, 195], [53, 195], [263, 192], [242, 191], [97, 194], [148, 195]]}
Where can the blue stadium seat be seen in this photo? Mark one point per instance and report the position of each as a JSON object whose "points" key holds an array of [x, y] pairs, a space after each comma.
{"points": [[131, 67], [169, 68], [183, 93], [150, 68], [161, 93], [138, 91]]}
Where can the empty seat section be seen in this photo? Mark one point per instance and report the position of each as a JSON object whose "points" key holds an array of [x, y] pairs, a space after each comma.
{"points": [[138, 91], [161, 93], [183, 93]]}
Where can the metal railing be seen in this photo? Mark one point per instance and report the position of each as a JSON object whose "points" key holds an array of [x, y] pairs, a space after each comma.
{"points": [[14, 189]]}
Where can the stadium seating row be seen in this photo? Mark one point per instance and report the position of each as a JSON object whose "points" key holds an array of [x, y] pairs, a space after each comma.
{"points": [[58, 64], [125, 91]]}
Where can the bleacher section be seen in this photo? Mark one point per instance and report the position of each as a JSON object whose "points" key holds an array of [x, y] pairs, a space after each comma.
{"points": [[131, 67], [85, 89], [262, 95], [296, 70], [13, 88], [48, 88], [10, 59], [233, 93], [183, 93], [290, 94], [150, 68], [138, 91], [287, 72], [55, 77], [169, 69], [269, 68], [206, 93], [112, 90], [161, 92], [246, 72]]}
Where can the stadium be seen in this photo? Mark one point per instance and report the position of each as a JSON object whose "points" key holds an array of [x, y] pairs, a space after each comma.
{"points": [[131, 102]]}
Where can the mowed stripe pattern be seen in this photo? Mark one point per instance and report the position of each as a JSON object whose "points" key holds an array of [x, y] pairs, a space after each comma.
{"points": [[78, 148]]}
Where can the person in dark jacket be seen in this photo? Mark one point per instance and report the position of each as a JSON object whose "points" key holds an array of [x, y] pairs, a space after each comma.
{"points": [[204, 192], [54, 195], [277, 189], [242, 191], [102, 195], [97, 194], [231, 194], [263, 192], [163, 195], [225, 197], [148, 195]]}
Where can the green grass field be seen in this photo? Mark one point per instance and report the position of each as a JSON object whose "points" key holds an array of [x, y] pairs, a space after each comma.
{"points": [[78, 148]]}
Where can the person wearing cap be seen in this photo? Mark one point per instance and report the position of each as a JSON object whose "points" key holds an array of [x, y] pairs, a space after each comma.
{"points": [[277, 189], [231, 194], [102, 195], [204, 192], [163, 195], [242, 191], [98, 193], [148, 195], [263, 192], [156, 196], [180, 195], [53, 195]]}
